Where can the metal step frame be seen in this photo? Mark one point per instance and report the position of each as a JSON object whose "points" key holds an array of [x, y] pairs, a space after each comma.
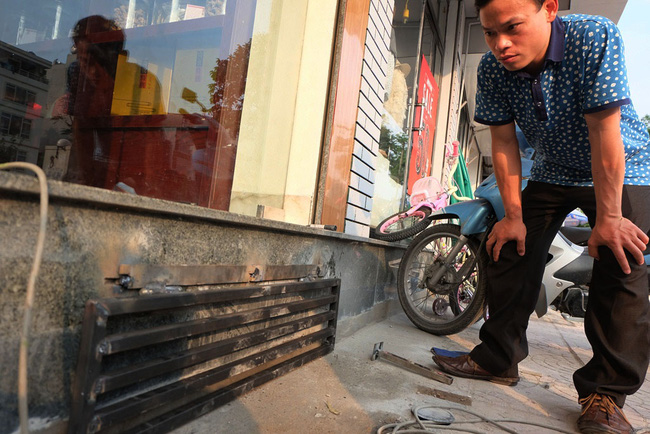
{"points": [[151, 363]]}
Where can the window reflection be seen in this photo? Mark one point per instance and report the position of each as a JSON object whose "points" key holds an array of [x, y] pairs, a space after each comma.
{"points": [[140, 96], [394, 142], [396, 137]]}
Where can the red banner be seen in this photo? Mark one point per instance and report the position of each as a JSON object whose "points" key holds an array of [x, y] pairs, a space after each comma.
{"points": [[424, 125]]}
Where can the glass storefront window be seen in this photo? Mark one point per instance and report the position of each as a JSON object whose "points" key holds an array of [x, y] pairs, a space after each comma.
{"points": [[284, 111], [146, 96], [395, 160]]}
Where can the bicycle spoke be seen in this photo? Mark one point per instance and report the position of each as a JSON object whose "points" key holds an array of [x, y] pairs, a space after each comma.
{"points": [[450, 303]]}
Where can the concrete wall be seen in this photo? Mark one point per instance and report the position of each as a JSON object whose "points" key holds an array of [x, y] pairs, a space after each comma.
{"points": [[91, 231]]}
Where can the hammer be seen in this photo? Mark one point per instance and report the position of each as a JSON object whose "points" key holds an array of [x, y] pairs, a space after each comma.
{"points": [[379, 353]]}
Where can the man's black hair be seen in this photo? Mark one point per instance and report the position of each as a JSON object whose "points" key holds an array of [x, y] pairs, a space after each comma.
{"points": [[107, 52], [480, 4]]}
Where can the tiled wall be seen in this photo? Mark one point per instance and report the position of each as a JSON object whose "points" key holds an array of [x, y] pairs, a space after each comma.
{"points": [[371, 100]]}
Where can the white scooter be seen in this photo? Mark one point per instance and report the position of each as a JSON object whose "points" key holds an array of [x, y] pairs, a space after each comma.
{"points": [[566, 278], [568, 273]]}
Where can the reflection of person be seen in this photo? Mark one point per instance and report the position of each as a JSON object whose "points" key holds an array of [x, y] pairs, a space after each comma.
{"points": [[563, 80], [93, 72], [100, 83], [90, 82]]}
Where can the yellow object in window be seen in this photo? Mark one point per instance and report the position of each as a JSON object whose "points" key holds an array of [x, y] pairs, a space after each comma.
{"points": [[137, 90]]}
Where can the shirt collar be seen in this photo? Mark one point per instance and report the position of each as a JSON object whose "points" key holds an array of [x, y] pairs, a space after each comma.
{"points": [[555, 51]]}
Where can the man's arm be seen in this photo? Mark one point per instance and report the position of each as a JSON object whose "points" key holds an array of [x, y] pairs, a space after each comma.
{"points": [[608, 170], [507, 169]]}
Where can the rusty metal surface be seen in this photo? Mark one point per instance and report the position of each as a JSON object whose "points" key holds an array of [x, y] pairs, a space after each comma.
{"points": [[409, 365], [135, 339], [135, 304], [157, 366], [195, 410], [447, 396], [188, 390], [89, 365], [170, 357], [138, 276]]}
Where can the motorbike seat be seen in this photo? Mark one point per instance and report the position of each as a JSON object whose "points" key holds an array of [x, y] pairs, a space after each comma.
{"points": [[577, 235]]}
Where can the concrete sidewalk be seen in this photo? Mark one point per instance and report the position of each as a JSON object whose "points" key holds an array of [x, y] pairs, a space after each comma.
{"points": [[346, 392]]}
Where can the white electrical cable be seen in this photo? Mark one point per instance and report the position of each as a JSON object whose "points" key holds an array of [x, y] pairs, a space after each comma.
{"points": [[421, 426], [23, 409]]}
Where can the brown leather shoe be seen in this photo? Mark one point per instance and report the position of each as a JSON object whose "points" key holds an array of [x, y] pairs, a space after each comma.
{"points": [[464, 366], [600, 414]]}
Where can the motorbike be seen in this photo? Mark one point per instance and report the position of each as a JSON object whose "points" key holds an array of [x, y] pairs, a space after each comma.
{"points": [[566, 267], [441, 277]]}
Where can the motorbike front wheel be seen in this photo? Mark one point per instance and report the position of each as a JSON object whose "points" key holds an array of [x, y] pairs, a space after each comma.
{"points": [[458, 298]]}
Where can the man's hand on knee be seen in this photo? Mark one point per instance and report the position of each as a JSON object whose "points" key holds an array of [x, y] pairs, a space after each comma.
{"points": [[504, 231], [618, 234]]}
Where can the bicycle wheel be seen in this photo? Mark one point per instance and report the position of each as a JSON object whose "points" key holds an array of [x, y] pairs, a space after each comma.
{"points": [[400, 226], [452, 303]]}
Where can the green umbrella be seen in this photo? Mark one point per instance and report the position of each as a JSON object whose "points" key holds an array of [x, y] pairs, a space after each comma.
{"points": [[461, 180]]}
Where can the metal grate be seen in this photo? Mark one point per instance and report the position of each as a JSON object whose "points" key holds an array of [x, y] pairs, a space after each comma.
{"points": [[154, 362]]}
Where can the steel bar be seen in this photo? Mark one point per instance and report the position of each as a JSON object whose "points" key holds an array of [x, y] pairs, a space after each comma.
{"points": [[129, 340], [152, 383], [147, 303], [88, 368], [198, 385], [415, 367], [197, 409], [447, 396], [379, 353], [142, 275], [152, 368]]}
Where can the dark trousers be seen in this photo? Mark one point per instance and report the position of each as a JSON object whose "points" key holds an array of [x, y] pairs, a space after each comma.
{"points": [[617, 321]]}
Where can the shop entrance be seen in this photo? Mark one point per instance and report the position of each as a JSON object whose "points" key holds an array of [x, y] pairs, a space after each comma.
{"points": [[410, 103]]}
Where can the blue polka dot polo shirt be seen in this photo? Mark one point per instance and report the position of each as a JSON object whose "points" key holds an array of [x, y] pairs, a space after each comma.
{"points": [[584, 72]]}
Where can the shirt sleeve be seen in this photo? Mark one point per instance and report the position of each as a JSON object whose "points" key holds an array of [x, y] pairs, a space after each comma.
{"points": [[605, 83], [492, 107]]}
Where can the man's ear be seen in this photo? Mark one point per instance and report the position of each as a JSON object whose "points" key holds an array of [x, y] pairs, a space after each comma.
{"points": [[551, 7]]}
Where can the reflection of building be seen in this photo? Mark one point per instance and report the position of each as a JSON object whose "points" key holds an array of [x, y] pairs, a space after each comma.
{"points": [[23, 91], [273, 118]]}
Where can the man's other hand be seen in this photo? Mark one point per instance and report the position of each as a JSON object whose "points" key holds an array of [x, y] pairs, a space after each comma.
{"points": [[619, 234]]}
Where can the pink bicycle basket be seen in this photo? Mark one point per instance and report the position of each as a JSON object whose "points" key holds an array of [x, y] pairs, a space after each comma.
{"points": [[427, 188]]}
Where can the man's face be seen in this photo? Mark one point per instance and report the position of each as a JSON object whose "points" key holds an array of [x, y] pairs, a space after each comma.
{"points": [[518, 32]]}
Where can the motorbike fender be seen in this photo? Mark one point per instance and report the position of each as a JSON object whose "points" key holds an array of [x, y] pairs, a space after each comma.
{"points": [[570, 265], [474, 215]]}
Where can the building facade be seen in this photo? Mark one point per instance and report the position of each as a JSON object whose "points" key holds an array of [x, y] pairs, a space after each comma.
{"points": [[219, 132]]}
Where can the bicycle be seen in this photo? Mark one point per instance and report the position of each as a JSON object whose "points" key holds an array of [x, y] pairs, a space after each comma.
{"points": [[428, 196]]}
